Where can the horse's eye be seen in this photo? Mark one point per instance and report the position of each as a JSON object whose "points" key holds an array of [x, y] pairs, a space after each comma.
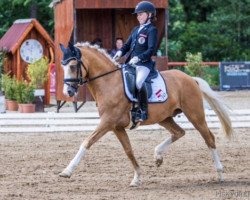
{"points": [[73, 67]]}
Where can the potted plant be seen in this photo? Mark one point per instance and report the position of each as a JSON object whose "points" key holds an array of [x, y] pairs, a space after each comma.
{"points": [[10, 89], [20, 94], [2, 97], [38, 74], [25, 97], [4, 80]]}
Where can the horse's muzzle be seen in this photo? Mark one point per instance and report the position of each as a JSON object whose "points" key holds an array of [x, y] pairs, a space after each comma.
{"points": [[71, 91]]}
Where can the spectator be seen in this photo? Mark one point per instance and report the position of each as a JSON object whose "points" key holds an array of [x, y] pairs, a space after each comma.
{"points": [[118, 46]]}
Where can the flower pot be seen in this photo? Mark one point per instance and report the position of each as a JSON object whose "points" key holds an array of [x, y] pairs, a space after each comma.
{"points": [[20, 107], [12, 105], [28, 108]]}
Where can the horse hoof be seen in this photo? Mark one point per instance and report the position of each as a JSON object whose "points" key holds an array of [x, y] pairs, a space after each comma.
{"points": [[65, 174], [221, 180], [158, 160], [220, 175], [135, 183]]}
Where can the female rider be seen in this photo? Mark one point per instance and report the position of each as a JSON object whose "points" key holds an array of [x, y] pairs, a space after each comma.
{"points": [[141, 45]]}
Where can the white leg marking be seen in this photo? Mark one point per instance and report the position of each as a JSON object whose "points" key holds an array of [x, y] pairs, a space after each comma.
{"points": [[73, 164], [218, 164], [160, 150], [137, 179]]}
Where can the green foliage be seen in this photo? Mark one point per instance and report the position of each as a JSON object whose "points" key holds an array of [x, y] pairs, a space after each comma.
{"points": [[5, 79], [1, 68], [211, 75], [196, 68], [25, 92], [194, 64], [11, 10], [10, 87], [29, 94], [20, 94], [163, 46], [218, 29], [38, 72]]}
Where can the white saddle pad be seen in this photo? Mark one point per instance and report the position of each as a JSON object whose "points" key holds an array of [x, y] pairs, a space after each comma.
{"points": [[159, 90]]}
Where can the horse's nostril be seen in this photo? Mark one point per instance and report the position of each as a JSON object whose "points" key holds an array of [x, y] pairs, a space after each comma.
{"points": [[71, 90], [70, 93]]}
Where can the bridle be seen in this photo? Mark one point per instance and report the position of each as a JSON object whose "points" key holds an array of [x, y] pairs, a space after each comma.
{"points": [[73, 53], [79, 80]]}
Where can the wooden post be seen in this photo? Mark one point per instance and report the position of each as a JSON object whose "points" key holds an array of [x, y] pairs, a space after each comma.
{"points": [[166, 30], [52, 56], [75, 23], [19, 67]]}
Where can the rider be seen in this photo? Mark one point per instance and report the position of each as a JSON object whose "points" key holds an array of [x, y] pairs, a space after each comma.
{"points": [[142, 45]]}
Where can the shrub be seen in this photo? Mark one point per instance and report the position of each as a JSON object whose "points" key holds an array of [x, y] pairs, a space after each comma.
{"points": [[212, 76], [1, 69], [10, 87], [38, 72], [196, 68], [194, 64], [25, 92]]}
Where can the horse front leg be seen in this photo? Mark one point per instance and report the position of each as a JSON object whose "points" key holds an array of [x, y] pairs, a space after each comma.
{"points": [[101, 130], [124, 140]]}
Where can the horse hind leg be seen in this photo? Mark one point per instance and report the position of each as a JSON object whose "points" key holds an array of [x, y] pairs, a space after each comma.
{"points": [[210, 141], [197, 118], [176, 133]]}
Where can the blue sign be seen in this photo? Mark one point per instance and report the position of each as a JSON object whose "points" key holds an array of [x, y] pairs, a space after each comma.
{"points": [[234, 75]]}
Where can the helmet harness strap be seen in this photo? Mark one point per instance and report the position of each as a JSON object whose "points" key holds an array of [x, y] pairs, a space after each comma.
{"points": [[149, 18]]}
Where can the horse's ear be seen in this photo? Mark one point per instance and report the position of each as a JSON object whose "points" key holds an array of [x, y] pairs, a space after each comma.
{"points": [[71, 46], [62, 48]]}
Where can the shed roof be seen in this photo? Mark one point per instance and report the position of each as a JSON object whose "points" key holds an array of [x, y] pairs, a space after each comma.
{"points": [[14, 37]]}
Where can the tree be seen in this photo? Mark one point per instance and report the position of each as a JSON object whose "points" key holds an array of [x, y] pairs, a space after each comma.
{"points": [[220, 30], [11, 10]]}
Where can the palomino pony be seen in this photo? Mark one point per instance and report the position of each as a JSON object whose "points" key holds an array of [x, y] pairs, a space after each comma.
{"points": [[84, 63]]}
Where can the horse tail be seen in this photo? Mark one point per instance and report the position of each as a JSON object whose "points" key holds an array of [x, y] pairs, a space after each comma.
{"points": [[217, 105]]}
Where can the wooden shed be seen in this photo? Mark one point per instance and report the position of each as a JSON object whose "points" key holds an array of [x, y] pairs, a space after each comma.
{"points": [[85, 20], [22, 33]]}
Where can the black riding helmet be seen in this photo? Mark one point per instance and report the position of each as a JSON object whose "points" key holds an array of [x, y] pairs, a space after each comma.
{"points": [[145, 6]]}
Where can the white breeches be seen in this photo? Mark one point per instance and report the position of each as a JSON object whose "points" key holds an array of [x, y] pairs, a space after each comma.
{"points": [[141, 75]]}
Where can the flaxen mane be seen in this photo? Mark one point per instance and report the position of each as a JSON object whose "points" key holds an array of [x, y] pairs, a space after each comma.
{"points": [[100, 50]]}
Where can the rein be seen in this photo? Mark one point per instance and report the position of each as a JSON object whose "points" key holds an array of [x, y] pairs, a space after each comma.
{"points": [[101, 75]]}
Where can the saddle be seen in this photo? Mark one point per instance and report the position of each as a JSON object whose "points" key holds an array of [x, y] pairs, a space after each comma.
{"points": [[130, 76], [154, 84]]}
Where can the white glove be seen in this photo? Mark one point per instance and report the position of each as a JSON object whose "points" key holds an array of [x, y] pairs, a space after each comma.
{"points": [[118, 55], [134, 60]]}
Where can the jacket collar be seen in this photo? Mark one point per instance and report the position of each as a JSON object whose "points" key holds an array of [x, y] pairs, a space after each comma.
{"points": [[142, 27]]}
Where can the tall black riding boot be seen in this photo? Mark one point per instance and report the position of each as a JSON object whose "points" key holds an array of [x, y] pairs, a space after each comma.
{"points": [[143, 104]]}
